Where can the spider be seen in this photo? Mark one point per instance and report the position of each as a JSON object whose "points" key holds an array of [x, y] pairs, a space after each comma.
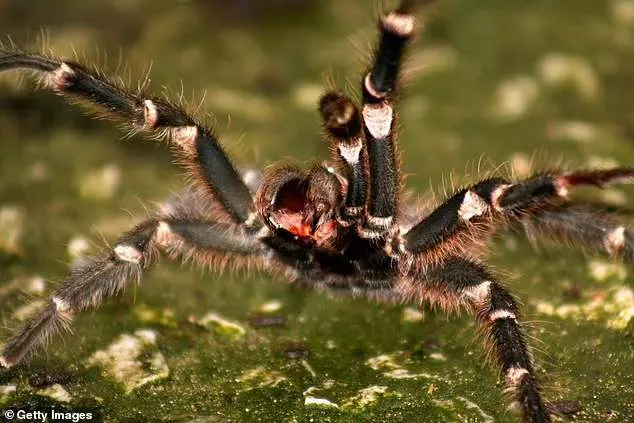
{"points": [[342, 230]]}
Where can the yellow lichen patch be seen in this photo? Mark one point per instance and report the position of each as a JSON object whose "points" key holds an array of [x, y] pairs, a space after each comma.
{"points": [[473, 406], [602, 270], [101, 183], [558, 69], [382, 362], [271, 306], [309, 400], [6, 391], [163, 316], [412, 315], [622, 12], [132, 360], [514, 97], [623, 308], [77, 247], [438, 356], [259, 377], [575, 131], [11, 229], [35, 285], [365, 397], [219, 324], [616, 307], [307, 95], [56, 392], [387, 363], [464, 409]]}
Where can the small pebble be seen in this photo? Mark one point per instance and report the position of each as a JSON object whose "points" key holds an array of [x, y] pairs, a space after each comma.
{"points": [[296, 351], [40, 380], [266, 321], [572, 292], [566, 407]]}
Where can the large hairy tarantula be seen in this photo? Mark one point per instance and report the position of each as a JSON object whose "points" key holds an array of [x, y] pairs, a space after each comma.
{"points": [[342, 230]]}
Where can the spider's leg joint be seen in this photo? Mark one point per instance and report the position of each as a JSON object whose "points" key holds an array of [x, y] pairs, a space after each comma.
{"points": [[502, 314], [351, 153], [163, 235], [400, 24], [479, 293], [514, 376], [378, 118], [562, 186], [472, 206], [59, 78], [128, 253], [615, 240], [185, 137], [367, 82], [150, 114], [497, 194], [63, 308], [60, 304]]}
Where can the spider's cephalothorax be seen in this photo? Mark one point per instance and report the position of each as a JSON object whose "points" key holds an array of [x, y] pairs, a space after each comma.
{"points": [[340, 230]]}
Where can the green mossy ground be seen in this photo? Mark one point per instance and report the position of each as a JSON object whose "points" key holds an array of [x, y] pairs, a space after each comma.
{"points": [[491, 82]]}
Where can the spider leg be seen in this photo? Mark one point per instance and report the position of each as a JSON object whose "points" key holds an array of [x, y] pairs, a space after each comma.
{"points": [[343, 125], [585, 227], [100, 278], [496, 197], [379, 88], [195, 145], [459, 283]]}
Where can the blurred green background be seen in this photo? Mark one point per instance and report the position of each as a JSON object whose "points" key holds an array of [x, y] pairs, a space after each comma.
{"points": [[489, 82]]}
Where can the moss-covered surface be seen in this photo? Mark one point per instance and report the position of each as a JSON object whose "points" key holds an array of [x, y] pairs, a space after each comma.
{"points": [[491, 81]]}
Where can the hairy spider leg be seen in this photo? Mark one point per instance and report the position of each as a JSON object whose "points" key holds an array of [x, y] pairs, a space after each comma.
{"points": [[343, 126], [485, 200], [379, 88], [195, 145], [460, 283], [585, 227], [472, 213], [92, 282]]}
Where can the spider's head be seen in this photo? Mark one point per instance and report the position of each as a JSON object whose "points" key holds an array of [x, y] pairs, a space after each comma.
{"points": [[303, 204]]}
